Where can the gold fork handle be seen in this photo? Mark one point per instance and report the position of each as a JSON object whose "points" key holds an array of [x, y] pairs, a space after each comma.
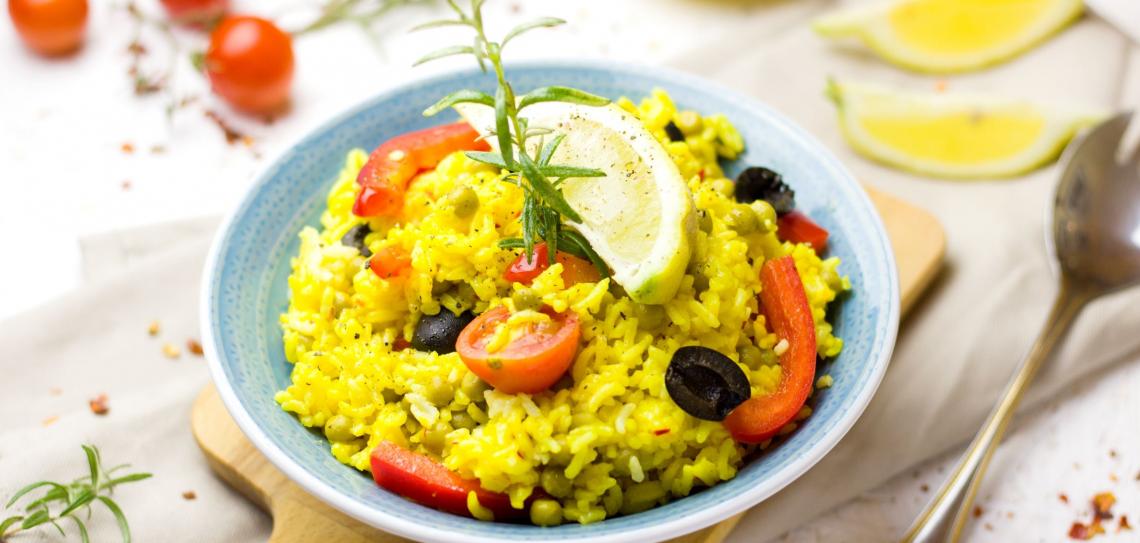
{"points": [[945, 516]]}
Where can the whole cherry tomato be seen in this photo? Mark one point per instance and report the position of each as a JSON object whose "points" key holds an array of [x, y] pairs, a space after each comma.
{"points": [[250, 64], [196, 12], [50, 27]]}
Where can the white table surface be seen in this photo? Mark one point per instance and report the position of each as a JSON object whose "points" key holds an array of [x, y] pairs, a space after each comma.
{"points": [[63, 124]]}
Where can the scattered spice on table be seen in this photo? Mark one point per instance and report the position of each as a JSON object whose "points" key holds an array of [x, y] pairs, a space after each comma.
{"points": [[925, 487], [232, 135], [189, 495], [1112, 477], [154, 328], [99, 405], [127, 147], [1112, 453], [126, 184], [989, 527], [194, 347], [1102, 510], [1063, 497], [50, 421], [171, 350], [157, 149], [1123, 524], [978, 511]]}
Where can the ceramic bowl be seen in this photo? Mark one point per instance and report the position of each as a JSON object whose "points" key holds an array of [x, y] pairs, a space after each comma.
{"points": [[244, 291]]}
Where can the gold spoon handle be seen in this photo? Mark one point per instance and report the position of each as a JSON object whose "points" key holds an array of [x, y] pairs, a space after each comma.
{"points": [[953, 501]]}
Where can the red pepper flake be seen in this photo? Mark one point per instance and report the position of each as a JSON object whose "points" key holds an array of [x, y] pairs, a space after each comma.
{"points": [[99, 405], [1102, 504], [189, 495], [127, 147], [1123, 525], [54, 418], [194, 347], [1063, 497], [1085, 532], [660, 431], [941, 85], [400, 344], [232, 135], [978, 511]]}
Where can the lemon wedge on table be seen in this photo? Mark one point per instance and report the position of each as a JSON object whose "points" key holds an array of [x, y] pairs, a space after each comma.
{"points": [[954, 136], [639, 217], [944, 36]]}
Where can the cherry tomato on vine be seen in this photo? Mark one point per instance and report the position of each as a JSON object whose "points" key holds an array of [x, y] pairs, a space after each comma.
{"points": [[195, 12], [250, 64], [50, 27]]}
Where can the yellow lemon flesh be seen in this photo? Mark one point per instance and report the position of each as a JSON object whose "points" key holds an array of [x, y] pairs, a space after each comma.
{"points": [[943, 36], [954, 136], [638, 217]]}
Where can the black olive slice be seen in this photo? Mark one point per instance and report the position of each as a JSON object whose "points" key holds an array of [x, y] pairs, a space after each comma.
{"points": [[355, 238], [438, 333], [706, 384], [674, 132], [759, 183]]}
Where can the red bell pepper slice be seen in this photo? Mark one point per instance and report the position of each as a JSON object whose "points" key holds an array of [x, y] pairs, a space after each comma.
{"points": [[786, 308], [390, 167], [425, 481], [574, 270], [390, 262], [798, 228]]}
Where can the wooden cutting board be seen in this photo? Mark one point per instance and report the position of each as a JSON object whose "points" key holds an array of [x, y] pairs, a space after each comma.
{"points": [[919, 244]]}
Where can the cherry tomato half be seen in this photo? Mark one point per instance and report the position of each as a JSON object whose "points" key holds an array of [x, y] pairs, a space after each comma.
{"points": [[50, 27], [394, 163], [574, 270], [196, 12], [250, 64], [531, 362]]}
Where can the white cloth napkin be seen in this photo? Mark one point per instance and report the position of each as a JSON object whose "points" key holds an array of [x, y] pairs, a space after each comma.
{"points": [[954, 354]]}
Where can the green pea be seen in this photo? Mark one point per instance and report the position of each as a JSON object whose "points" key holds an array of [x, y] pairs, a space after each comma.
{"points": [[339, 428], [526, 298], [700, 281], [440, 392], [641, 497], [689, 122], [463, 420], [546, 513], [555, 483], [464, 202], [751, 356], [473, 387], [724, 187], [742, 219], [765, 215], [435, 439], [612, 500], [704, 221]]}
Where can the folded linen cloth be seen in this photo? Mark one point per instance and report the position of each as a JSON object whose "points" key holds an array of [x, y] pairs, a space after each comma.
{"points": [[954, 354]]}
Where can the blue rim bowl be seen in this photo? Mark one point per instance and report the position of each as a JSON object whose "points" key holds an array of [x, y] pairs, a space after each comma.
{"points": [[244, 291]]}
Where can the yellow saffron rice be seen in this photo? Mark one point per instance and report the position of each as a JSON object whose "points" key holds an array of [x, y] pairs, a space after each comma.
{"points": [[608, 440]]}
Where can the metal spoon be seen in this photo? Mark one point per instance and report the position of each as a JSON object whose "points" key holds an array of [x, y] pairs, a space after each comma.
{"points": [[1096, 245]]}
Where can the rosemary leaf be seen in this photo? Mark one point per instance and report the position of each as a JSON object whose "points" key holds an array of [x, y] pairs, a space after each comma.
{"points": [[465, 96], [494, 159], [438, 24], [502, 126], [548, 150], [20, 493], [544, 22], [570, 171], [549, 194], [119, 517], [560, 94], [79, 526], [8, 523], [445, 52]]}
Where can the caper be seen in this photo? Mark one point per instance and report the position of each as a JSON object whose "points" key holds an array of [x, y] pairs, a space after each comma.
{"points": [[641, 497], [546, 513], [526, 298], [440, 392], [723, 186], [555, 483], [464, 202], [765, 215], [339, 428], [742, 219], [435, 438], [612, 500], [463, 420]]}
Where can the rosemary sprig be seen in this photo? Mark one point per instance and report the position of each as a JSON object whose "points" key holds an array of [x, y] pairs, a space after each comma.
{"points": [[361, 12], [544, 206], [72, 499]]}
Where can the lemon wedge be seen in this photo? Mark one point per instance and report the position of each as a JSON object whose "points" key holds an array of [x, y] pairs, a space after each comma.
{"points": [[954, 136], [639, 217], [943, 36]]}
